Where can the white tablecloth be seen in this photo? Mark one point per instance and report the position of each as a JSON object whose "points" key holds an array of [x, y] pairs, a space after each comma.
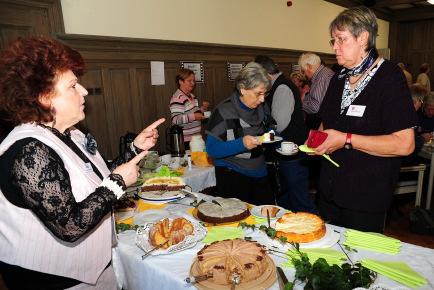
{"points": [[199, 178], [169, 271]]}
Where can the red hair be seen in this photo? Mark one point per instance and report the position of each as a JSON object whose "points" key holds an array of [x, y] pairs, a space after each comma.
{"points": [[29, 69]]}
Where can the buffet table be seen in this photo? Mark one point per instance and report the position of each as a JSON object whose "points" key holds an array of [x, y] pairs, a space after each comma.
{"points": [[169, 271]]}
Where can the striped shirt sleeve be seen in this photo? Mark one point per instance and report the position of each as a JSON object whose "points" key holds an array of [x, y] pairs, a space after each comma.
{"points": [[320, 82]]}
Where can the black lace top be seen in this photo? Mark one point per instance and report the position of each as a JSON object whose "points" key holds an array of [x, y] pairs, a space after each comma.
{"points": [[34, 177]]}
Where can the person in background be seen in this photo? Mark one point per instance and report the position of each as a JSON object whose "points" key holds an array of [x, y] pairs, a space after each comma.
{"points": [[319, 76], [426, 118], [56, 192], [369, 117], [423, 77], [407, 74], [301, 82], [418, 94], [232, 139], [284, 101], [184, 107]]}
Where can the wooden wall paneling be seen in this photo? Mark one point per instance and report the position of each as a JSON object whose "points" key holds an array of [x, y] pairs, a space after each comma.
{"points": [[223, 87], [430, 36], [146, 103], [207, 93], [151, 105], [96, 114], [22, 18], [162, 95], [393, 41], [120, 100], [418, 35]]}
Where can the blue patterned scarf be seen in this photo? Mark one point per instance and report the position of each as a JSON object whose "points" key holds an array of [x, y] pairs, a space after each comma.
{"points": [[362, 67]]}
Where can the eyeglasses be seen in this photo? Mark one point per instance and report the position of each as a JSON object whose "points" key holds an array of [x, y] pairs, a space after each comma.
{"points": [[338, 40], [260, 94]]}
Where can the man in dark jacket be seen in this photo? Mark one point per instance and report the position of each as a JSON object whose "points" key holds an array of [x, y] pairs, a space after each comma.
{"points": [[285, 106]]}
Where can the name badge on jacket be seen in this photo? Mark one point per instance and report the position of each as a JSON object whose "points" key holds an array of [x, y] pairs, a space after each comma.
{"points": [[88, 168], [356, 110]]}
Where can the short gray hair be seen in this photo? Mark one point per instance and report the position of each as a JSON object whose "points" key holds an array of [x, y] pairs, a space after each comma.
{"points": [[252, 76], [309, 58], [357, 20], [429, 100], [418, 92]]}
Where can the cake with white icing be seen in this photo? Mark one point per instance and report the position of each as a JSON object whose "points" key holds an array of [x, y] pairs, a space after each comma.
{"points": [[221, 210]]}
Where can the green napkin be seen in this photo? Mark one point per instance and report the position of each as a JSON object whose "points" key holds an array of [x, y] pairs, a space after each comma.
{"points": [[372, 241], [259, 220], [398, 271], [332, 257], [305, 149], [223, 233]]}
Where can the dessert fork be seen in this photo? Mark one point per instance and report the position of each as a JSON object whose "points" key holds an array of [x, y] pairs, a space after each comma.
{"points": [[155, 248]]}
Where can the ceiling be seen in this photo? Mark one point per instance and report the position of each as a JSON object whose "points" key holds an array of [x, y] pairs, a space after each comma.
{"points": [[394, 10]]}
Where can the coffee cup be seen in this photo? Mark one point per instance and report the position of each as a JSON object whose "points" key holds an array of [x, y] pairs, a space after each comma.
{"points": [[288, 146], [207, 114]]}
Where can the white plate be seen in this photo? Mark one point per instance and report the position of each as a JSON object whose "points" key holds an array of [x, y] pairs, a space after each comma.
{"points": [[150, 216], [327, 241], [256, 211], [142, 238], [276, 139], [160, 196], [293, 152]]}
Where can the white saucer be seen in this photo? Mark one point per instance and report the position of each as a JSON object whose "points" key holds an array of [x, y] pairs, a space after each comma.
{"points": [[276, 139], [256, 211], [293, 152]]}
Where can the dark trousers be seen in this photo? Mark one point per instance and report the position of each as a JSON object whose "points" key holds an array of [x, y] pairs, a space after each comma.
{"points": [[294, 186], [254, 190], [348, 218]]}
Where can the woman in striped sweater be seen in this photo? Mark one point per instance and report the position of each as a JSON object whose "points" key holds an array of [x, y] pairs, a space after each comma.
{"points": [[184, 107]]}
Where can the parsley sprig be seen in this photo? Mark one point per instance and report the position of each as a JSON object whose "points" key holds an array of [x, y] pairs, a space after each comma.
{"points": [[321, 275]]}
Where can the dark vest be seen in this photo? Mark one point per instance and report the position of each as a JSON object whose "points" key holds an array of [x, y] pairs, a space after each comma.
{"points": [[296, 129]]}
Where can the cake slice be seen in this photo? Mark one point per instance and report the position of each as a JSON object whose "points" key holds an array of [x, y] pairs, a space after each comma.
{"points": [[163, 184]]}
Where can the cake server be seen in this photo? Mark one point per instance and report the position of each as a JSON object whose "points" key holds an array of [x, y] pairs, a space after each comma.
{"points": [[197, 279], [154, 249], [282, 278], [235, 280], [189, 193]]}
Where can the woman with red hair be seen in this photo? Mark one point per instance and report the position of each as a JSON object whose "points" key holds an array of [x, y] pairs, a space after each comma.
{"points": [[56, 192]]}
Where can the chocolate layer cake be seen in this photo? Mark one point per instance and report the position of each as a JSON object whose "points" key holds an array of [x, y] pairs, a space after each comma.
{"points": [[222, 210]]}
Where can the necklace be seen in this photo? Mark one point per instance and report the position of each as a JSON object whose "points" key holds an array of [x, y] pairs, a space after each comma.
{"points": [[364, 75], [357, 80]]}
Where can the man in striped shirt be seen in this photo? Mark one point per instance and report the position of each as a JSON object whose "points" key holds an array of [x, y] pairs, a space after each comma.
{"points": [[319, 75]]}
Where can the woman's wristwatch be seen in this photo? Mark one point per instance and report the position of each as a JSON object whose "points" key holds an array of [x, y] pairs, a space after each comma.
{"points": [[136, 150], [348, 144]]}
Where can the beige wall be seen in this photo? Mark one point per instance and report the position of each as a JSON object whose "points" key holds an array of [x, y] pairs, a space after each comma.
{"points": [[264, 23]]}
